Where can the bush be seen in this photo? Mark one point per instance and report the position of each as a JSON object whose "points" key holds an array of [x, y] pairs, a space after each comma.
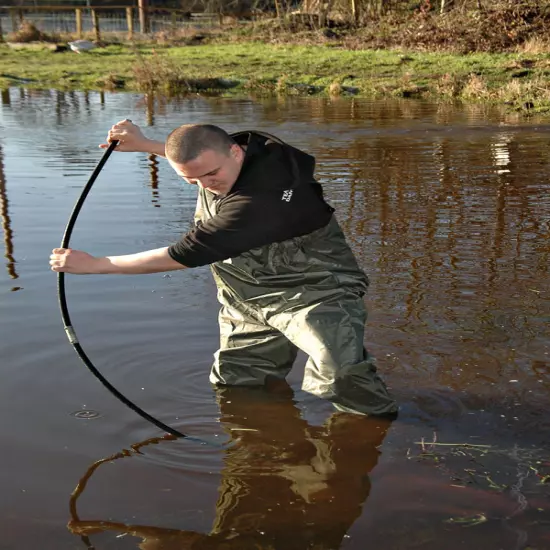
{"points": [[501, 25], [28, 32], [498, 27], [159, 73]]}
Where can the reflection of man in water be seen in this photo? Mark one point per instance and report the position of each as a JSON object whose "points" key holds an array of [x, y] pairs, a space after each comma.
{"points": [[286, 485]]}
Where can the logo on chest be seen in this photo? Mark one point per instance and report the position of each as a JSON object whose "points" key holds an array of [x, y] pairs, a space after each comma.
{"points": [[287, 195]]}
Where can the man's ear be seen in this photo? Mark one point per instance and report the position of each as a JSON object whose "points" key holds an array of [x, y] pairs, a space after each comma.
{"points": [[237, 152]]}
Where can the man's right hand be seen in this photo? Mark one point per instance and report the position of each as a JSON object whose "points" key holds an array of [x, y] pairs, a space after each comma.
{"points": [[129, 136]]}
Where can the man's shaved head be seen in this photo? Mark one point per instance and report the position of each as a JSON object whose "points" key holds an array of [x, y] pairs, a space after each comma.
{"points": [[187, 142]]}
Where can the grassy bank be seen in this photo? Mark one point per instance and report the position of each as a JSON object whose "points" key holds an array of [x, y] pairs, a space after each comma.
{"points": [[233, 67]]}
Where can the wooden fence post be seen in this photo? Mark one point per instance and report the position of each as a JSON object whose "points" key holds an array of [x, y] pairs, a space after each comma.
{"points": [[130, 22], [143, 16], [13, 15], [95, 24], [78, 15]]}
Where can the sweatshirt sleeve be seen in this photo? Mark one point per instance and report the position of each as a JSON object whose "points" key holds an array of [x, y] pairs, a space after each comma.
{"points": [[245, 221]]}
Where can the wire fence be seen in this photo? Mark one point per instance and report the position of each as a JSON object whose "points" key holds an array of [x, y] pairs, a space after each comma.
{"points": [[110, 21]]}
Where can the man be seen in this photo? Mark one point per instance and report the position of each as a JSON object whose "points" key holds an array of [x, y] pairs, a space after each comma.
{"points": [[286, 278]]}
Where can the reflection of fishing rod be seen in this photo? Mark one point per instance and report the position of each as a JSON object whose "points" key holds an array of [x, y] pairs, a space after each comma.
{"points": [[83, 528], [65, 312], [152, 536]]}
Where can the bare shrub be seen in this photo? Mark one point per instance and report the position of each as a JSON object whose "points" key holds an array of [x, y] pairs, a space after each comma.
{"points": [[475, 88], [335, 89], [534, 46], [180, 36], [28, 32], [160, 73], [524, 92], [450, 85]]}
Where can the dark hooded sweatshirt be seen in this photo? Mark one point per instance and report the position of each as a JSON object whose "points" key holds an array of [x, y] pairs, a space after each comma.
{"points": [[275, 198]]}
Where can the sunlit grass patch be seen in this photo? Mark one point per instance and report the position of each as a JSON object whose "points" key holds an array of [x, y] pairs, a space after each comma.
{"points": [[240, 68]]}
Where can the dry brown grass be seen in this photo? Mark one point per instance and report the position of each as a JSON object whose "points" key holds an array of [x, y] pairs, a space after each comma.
{"points": [[28, 32], [282, 85], [475, 88], [112, 82], [155, 72], [534, 46], [335, 89], [161, 73], [503, 25], [521, 92], [181, 37], [450, 85]]}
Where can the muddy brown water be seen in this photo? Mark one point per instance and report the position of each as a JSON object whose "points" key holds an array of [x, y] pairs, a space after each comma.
{"points": [[447, 209]]}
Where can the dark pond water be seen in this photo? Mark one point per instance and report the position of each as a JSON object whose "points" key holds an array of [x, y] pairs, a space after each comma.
{"points": [[447, 209]]}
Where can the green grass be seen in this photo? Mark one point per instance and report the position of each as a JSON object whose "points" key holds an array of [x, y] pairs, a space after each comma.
{"points": [[298, 69]]}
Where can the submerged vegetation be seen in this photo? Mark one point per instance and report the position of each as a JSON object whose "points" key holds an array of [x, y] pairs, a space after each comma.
{"points": [[499, 53], [518, 474]]}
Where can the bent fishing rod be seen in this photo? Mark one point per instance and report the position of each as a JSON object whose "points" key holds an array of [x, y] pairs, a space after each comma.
{"points": [[69, 330]]}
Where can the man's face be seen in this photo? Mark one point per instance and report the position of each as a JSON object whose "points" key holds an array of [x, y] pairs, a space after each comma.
{"points": [[212, 170]]}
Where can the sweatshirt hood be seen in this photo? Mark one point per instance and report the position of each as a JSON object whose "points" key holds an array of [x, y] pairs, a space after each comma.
{"points": [[282, 162]]}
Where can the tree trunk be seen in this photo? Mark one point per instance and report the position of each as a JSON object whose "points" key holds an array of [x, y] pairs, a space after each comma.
{"points": [[324, 9], [446, 5]]}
